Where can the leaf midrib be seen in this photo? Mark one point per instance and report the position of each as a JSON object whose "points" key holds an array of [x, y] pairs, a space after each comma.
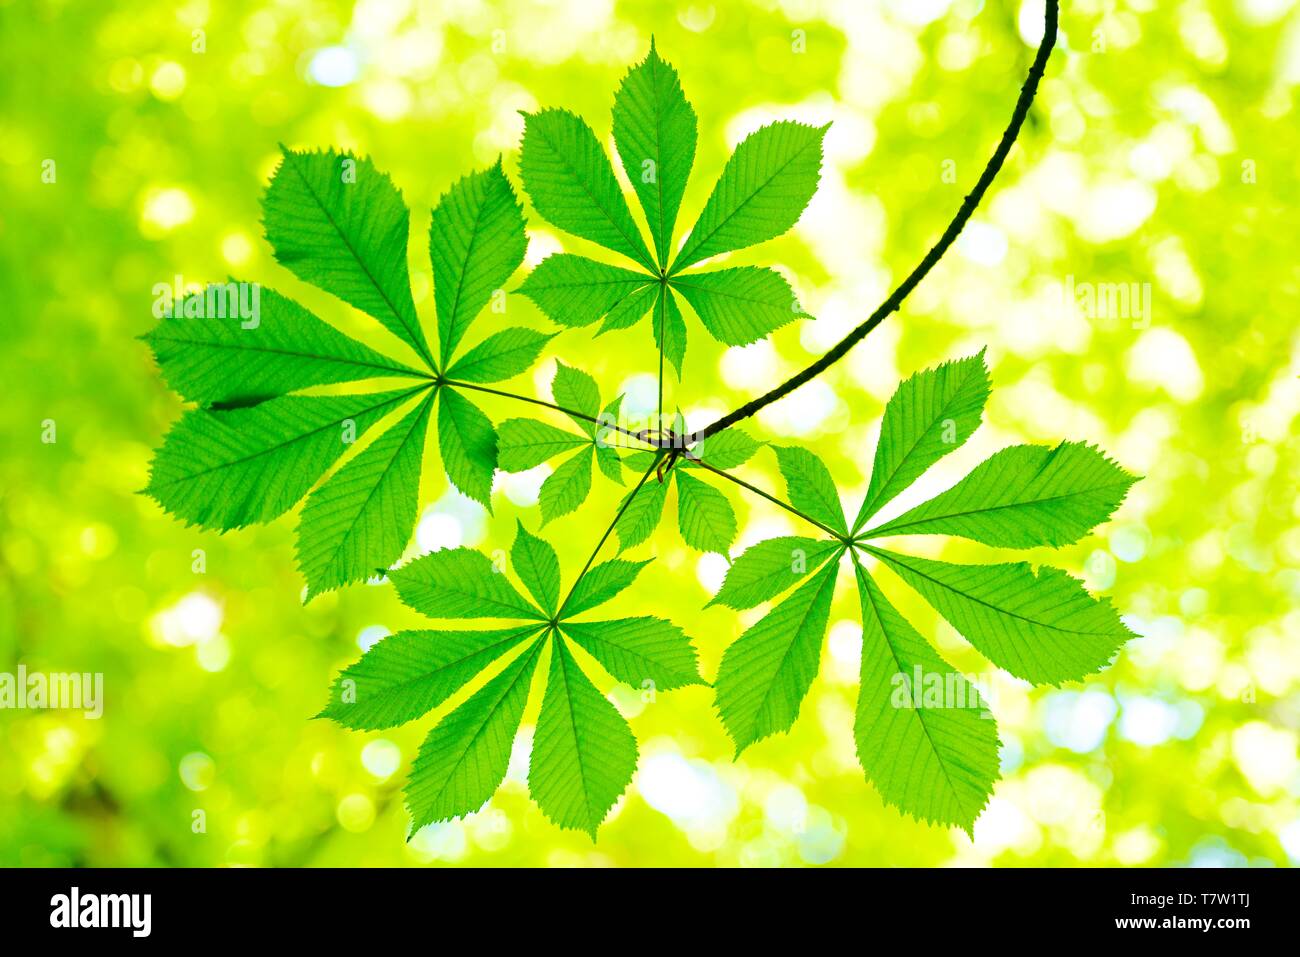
{"points": [[417, 341], [395, 366], [297, 438], [894, 558], [577, 178], [876, 503], [447, 346], [795, 632], [866, 592], [695, 246], [478, 732], [897, 524], [421, 412]]}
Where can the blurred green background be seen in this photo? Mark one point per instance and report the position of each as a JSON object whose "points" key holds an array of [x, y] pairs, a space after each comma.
{"points": [[1162, 150]]}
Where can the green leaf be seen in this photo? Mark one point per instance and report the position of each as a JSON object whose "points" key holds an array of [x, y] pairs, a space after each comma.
{"points": [[1023, 496], [340, 224], [1041, 626], [501, 355], [460, 583], [929, 415], [410, 673], [476, 242], [362, 517], [600, 584], [631, 310], [762, 191], [468, 445], [674, 343], [465, 757], [574, 389], [637, 650], [584, 753], [222, 357], [767, 671], [537, 567], [609, 463], [572, 185], [523, 444], [640, 460], [765, 570], [935, 759], [568, 486], [742, 305], [576, 291], [810, 486], [655, 132], [605, 433], [233, 468], [704, 515], [641, 517], [727, 449]]}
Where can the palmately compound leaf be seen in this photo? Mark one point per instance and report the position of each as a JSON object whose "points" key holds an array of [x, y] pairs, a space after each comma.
{"points": [[740, 305], [639, 650], [601, 584], [222, 357], [763, 571], [655, 133], [537, 567], [464, 758], [928, 416], [227, 469], [1041, 626], [476, 242], [576, 291], [361, 518], [468, 445], [334, 220], [762, 191], [502, 355], [641, 516], [572, 185], [460, 583], [1023, 496], [923, 734], [409, 673], [574, 389], [584, 753], [704, 515], [767, 671], [523, 444], [810, 486], [568, 486], [726, 450], [667, 315]]}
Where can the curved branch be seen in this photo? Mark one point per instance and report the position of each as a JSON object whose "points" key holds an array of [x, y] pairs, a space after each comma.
{"points": [[964, 213]]}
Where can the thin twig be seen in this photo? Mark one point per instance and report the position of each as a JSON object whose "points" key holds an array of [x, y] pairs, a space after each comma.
{"points": [[964, 213], [603, 423], [601, 544]]}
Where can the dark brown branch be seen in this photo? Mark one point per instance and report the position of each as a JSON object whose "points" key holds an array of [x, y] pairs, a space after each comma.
{"points": [[964, 213]]}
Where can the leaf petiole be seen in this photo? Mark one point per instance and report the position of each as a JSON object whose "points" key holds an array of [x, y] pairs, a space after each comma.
{"points": [[659, 454], [605, 423], [774, 500]]}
